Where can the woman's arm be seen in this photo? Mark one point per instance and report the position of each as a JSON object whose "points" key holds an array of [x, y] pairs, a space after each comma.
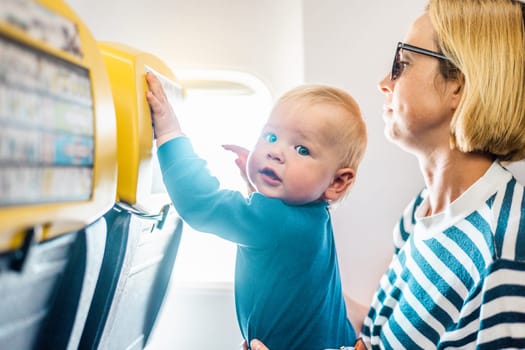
{"points": [[356, 312]]}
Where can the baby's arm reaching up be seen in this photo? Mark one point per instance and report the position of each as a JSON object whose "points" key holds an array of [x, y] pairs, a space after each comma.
{"points": [[165, 122]]}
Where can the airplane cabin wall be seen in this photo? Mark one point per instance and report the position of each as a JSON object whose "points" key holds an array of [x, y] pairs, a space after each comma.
{"points": [[263, 38]]}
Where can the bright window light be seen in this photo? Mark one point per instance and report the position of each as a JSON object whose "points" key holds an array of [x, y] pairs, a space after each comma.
{"points": [[220, 107]]}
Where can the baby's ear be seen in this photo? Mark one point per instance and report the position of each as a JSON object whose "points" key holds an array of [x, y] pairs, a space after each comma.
{"points": [[343, 179]]}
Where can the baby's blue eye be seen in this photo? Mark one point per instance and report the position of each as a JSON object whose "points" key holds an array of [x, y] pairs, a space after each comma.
{"points": [[301, 150], [271, 138]]}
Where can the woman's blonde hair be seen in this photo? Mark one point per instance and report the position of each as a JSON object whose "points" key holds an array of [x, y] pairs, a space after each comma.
{"points": [[485, 40], [350, 136]]}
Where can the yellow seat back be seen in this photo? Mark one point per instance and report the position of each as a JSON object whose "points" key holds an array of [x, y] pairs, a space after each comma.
{"points": [[137, 161]]}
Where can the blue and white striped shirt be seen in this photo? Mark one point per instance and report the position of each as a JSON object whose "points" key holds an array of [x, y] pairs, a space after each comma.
{"points": [[457, 279]]}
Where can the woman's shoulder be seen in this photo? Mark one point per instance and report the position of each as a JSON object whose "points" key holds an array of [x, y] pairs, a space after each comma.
{"points": [[508, 214]]}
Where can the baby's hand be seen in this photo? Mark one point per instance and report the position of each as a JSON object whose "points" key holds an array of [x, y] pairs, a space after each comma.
{"points": [[241, 161], [165, 123], [242, 157]]}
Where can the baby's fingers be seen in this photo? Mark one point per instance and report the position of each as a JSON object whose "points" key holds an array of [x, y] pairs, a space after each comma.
{"points": [[238, 150], [156, 88]]}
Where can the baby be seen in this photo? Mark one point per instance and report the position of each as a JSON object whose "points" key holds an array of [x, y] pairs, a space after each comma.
{"points": [[287, 285]]}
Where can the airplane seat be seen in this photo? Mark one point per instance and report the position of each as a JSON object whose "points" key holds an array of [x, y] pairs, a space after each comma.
{"points": [[58, 173], [144, 230], [44, 304], [66, 318]]}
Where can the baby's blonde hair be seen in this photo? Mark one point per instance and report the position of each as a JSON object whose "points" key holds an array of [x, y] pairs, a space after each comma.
{"points": [[485, 40], [350, 137]]}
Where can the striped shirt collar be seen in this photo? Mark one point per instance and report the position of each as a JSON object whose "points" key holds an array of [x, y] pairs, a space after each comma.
{"points": [[471, 200]]}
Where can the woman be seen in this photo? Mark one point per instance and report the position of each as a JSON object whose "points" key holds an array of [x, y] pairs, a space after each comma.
{"points": [[456, 100]]}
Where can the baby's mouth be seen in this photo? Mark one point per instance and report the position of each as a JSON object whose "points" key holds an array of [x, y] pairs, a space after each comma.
{"points": [[269, 173]]}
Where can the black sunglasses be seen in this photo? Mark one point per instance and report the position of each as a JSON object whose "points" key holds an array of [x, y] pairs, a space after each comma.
{"points": [[397, 67]]}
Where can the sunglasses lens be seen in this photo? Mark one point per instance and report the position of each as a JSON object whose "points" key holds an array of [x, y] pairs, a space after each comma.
{"points": [[396, 66]]}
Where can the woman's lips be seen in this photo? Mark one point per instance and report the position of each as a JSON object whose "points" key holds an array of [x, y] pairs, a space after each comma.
{"points": [[387, 112]]}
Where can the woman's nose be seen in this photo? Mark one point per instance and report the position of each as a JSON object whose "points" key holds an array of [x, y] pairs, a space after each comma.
{"points": [[385, 85]]}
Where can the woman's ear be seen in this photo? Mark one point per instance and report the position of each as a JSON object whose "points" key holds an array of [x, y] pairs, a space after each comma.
{"points": [[343, 179], [457, 92]]}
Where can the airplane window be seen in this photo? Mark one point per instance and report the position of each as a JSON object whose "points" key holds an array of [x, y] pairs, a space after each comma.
{"points": [[221, 107]]}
